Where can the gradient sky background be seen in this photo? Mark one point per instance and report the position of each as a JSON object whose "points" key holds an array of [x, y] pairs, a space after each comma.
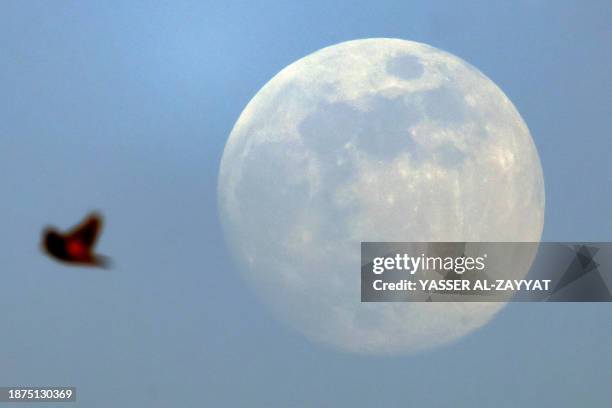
{"points": [[126, 106]]}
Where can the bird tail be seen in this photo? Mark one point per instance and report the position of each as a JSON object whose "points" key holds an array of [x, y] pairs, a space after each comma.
{"points": [[103, 261]]}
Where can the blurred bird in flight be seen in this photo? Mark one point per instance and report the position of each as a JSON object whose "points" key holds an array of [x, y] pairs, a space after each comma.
{"points": [[76, 247]]}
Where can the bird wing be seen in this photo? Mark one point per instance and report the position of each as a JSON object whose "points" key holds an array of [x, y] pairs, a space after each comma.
{"points": [[88, 231]]}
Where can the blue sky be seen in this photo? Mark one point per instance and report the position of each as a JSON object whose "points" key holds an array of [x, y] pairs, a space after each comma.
{"points": [[125, 107]]}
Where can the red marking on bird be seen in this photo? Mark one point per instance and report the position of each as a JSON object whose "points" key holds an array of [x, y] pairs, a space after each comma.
{"points": [[76, 249]]}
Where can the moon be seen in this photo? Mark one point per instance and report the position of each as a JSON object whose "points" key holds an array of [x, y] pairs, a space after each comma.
{"points": [[373, 140]]}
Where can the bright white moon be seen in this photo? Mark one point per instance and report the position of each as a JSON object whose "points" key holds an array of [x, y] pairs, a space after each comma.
{"points": [[373, 140]]}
